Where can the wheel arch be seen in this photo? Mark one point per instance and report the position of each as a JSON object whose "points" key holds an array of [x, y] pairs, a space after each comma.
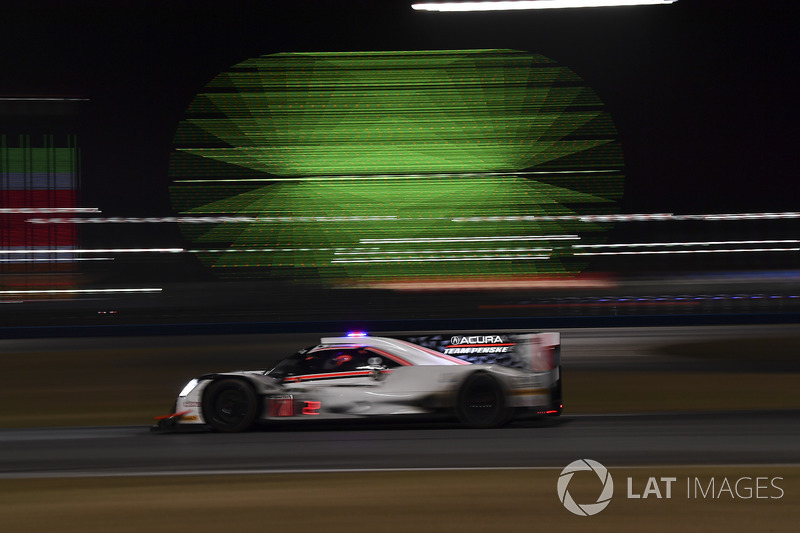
{"points": [[503, 411], [207, 403]]}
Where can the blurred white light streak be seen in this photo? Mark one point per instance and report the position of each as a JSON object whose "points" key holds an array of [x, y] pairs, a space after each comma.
{"points": [[548, 218], [740, 216], [41, 99], [706, 251], [481, 284], [489, 250], [472, 239], [445, 259], [643, 217], [511, 5], [342, 177], [37, 210], [81, 291], [55, 260], [208, 220], [690, 243], [141, 220], [92, 251], [259, 250]]}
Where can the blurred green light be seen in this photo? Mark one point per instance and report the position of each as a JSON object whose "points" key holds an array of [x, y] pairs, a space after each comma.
{"points": [[368, 152]]}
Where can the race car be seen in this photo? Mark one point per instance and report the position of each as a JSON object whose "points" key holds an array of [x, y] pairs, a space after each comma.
{"points": [[482, 380]]}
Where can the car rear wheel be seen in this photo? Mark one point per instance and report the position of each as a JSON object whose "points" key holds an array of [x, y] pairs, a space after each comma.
{"points": [[482, 402], [230, 405]]}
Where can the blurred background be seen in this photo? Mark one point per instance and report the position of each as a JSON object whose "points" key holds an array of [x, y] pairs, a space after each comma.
{"points": [[275, 171], [266, 161]]}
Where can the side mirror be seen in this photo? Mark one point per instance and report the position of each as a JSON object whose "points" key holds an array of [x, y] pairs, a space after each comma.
{"points": [[377, 374]]}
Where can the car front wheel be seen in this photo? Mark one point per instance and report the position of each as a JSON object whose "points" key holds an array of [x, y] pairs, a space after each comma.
{"points": [[230, 405]]}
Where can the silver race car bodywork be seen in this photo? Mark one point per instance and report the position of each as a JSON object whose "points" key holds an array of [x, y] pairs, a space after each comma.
{"points": [[362, 376]]}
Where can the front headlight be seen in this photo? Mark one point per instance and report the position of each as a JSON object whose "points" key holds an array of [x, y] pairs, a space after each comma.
{"points": [[188, 388]]}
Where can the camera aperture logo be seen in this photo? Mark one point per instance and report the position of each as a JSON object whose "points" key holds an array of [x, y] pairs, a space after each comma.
{"points": [[586, 509], [741, 488]]}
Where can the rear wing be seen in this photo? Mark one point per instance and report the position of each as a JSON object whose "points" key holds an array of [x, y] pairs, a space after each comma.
{"points": [[541, 351], [533, 352]]}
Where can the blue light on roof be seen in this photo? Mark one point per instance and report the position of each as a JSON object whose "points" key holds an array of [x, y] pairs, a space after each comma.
{"points": [[356, 334]]}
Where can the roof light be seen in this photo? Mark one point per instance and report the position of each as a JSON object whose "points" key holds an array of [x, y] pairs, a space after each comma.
{"points": [[356, 334]]}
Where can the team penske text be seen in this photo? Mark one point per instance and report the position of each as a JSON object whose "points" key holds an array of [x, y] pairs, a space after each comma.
{"points": [[477, 349]]}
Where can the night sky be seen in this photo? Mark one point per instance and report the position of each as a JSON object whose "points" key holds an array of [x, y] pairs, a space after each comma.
{"points": [[703, 97]]}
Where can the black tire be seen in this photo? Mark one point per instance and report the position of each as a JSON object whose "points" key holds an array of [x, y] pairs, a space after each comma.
{"points": [[482, 402], [230, 405]]}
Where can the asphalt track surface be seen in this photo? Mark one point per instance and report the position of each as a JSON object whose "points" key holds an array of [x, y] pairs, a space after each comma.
{"points": [[766, 437], [620, 440]]}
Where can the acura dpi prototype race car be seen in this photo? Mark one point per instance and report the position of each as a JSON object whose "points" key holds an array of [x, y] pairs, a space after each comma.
{"points": [[483, 380]]}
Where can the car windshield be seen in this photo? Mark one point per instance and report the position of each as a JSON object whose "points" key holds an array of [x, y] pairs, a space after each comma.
{"points": [[289, 366]]}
